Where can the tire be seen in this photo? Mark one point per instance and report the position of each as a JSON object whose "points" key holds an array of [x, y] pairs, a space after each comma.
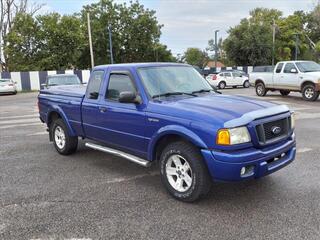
{"points": [[222, 85], [284, 92], [261, 90], [186, 164], [246, 84], [309, 93], [63, 143]]}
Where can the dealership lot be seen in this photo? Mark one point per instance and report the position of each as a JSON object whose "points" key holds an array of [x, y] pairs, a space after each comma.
{"points": [[92, 195]]}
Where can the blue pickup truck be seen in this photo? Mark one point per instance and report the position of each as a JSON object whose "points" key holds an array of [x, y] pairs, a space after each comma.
{"points": [[168, 113]]}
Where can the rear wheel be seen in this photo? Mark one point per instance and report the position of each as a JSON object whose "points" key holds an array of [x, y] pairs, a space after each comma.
{"points": [[261, 89], [309, 93], [63, 142], [246, 84], [222, 85], [183, 172], [284, 92]]}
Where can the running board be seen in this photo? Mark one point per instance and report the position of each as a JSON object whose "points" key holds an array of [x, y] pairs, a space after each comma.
{"points": [[127, 156]]}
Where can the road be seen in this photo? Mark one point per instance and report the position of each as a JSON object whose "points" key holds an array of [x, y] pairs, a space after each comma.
{"points": [[92, 195]]}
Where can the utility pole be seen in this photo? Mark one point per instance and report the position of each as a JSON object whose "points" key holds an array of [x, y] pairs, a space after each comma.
{"points": [[216, 48], [110, 42], [90, 41], [273, 40], [296, 47]]}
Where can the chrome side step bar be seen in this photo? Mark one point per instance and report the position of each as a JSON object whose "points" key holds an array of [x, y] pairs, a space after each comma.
{"points": [[127, 156]]}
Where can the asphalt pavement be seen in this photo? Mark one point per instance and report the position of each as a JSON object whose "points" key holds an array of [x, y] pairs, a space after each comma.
{"points": [[92, 195]]}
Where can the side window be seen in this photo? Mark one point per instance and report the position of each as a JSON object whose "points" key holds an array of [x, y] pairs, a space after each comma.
{"points": [[220, 74], [94, 84], [289, 67], [227, 74], [119, 83], [236, 74], [279, 67]]}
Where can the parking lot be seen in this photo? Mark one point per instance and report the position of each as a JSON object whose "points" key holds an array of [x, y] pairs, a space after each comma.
{"points": [[92, 195]]}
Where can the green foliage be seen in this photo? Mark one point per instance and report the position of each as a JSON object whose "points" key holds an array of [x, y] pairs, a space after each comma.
{"points": [[135, 33], [52, 41], [250, 42], [196, 57]]}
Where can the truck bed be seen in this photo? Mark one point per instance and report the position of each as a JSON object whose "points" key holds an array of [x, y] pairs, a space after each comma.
{"points": [[77, 91]]}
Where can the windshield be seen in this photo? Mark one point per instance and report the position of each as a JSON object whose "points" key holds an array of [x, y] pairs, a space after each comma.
{"points": [[4, 80], [308, 66], [63, 80], [172, 79]]}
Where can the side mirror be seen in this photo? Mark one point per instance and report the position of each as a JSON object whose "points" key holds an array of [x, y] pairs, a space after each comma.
{"points": [[129, 97], [293, 70]]}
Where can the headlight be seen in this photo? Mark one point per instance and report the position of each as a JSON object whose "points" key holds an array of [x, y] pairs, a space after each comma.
{"points": [[292, 120], [233, 136]]}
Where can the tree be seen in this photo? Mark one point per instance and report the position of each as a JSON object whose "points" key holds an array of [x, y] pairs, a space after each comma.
{"points": [[250, 42], [44, 43], [9, 9], [196, 57], [135, 33]]}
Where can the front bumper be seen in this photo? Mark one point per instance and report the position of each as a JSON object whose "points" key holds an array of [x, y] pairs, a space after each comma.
{"points": [[226, 166]]}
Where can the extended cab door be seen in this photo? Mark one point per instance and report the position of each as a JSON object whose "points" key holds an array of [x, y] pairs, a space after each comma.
{"points": [[288, 78], [122, 124]]}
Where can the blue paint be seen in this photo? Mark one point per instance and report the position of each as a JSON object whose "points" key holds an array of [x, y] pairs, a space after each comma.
{"points": [[42, 78], [25, 81], [5, 75]]}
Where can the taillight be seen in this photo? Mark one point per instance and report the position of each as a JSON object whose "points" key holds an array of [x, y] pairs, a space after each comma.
{"points": [[214, 77]]}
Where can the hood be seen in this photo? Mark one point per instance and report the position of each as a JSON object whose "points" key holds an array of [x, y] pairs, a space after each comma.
{"points": [[315, 75], [210, 108]]}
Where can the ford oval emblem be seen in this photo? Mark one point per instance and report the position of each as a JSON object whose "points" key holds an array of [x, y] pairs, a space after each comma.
{"points": [[276, 130]]}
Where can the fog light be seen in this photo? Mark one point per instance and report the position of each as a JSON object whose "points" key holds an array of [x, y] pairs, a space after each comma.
{"points": [[247, 171]]}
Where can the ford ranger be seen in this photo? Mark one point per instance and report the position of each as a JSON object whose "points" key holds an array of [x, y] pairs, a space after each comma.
{"points": [[297, 76], [168, 113]]}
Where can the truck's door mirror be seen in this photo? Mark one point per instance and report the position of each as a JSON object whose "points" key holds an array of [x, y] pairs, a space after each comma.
{"points": [[293, 70], [129, 97]]}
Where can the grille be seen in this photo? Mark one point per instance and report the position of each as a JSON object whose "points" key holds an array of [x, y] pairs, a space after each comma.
{"points": [[271, 131]]}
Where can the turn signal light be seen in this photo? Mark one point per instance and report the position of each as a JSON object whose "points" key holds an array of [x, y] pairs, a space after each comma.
{"points": [[223, 137]]}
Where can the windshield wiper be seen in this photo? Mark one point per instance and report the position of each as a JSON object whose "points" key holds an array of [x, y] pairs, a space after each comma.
{"points": [[172, 94], [201, 91]]}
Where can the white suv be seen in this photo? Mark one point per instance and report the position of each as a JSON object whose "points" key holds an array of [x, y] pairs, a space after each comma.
{"points": [[228, 79]]}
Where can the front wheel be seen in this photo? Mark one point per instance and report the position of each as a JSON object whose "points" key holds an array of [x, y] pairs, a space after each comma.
{"points": [[309, 93], [261, 89], [63, 142], [183, 172]]}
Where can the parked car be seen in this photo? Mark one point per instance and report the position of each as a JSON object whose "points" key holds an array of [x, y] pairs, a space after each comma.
{"points": [[296, 76], [61, 79], [168, 113], [228, 79], [8, 86]]}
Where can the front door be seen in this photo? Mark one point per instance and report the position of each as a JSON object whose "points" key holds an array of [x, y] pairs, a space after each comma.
{"points": [[289, 78], [122, 124]]}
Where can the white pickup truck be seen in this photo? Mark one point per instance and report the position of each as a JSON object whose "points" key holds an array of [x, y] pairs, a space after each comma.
{"points": [[298, 76]]}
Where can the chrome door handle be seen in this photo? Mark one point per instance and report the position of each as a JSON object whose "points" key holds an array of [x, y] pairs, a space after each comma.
{"points": [[102, 109]]}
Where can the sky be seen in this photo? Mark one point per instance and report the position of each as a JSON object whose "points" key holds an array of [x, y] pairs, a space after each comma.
{"points": [[191, 23]]}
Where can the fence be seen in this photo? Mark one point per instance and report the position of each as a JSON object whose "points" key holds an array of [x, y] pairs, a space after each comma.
{"points": [[27, 81]]}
